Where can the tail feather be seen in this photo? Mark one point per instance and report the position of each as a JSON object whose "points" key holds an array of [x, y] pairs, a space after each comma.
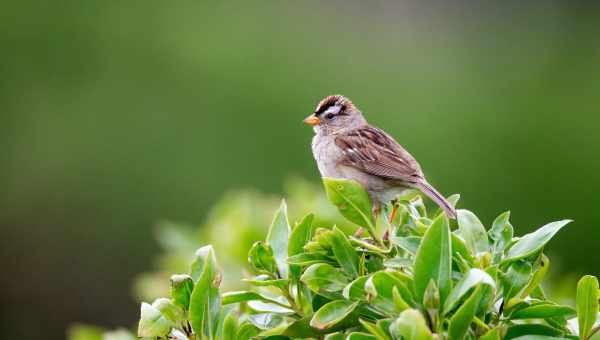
{"points": [[438, 198]]}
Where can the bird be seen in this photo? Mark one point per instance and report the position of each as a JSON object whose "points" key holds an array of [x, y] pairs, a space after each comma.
{"points": [[346, 146]]}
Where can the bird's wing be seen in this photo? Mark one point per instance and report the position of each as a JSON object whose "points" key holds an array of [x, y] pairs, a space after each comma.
{"points": [[371, 150]]}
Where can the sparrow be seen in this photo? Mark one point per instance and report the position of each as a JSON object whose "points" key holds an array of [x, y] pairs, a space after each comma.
{"points": [[346, 146]]}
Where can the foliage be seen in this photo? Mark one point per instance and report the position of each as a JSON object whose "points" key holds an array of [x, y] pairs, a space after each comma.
{"points": [[244, 213], [422, 281], [427, 278]]}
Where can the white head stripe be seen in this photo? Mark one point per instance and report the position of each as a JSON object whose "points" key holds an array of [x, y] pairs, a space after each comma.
{"points": [[334, 109]]}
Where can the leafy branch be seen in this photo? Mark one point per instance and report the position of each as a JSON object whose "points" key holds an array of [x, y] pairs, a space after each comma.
{"points": [[430, 279]]}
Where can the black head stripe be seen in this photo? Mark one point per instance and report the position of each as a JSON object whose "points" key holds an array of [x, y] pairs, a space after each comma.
{"points": [[343, 110], [326, 104]]}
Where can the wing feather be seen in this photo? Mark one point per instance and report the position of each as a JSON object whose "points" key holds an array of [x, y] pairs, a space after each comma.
{"points": [[371, 150]]}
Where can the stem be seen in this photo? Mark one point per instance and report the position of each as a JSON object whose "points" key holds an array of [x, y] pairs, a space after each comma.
{"points": [[481, 324], [292, 303], [371, 230], [593, 331], [283, 305]]}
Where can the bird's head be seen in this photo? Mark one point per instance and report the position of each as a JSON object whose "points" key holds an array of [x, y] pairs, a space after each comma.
{"points": [[334, 114]]}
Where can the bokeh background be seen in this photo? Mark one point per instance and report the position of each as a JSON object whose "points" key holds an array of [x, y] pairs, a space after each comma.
{"points": [[116, 115]]}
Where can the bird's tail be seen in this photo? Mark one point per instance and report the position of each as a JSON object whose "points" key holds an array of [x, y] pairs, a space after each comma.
{"points": [[430, 191]]}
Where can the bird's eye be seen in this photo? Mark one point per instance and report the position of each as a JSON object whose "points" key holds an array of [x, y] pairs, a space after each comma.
{"points": [[329, 116]]}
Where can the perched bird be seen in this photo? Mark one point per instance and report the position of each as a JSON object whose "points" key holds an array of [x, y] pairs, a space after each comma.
{"points": [[346, 146]]}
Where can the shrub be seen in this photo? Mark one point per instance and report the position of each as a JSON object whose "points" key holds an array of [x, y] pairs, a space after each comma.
{"points": [[244, 213], [423, 280]]}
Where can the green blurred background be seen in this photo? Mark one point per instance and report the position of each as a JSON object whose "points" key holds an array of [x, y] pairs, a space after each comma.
{"points": [[115, 115]]}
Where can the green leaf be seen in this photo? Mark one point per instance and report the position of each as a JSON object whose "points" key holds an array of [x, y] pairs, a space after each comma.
{"points": [[452, 199], [531, 329], [404, 278], [265, 321], [379, 333], [344, 253], [276, 307], [306, 259], [277, 239], [205, 302], [247, 331], [488, 295], [471, 279], [332, 314], [84, 332], [492, 334], [303, 297], [300, 235], [367, 246], [543, 264], [265, 281], [559, 322], [352, 200], [384, 325], [398, 263], [434, 259], [409, 243], [355, 290], [272, 334], [514, 281], [533, 242], [261, 258], [230, 327], [301, 329], [542, 311], [123, 334], [538, 337], [324, 277], [473, 232], [360, 336], [399, 303], [587, 304], [501, 235], [538, 293], [416, 203], [461, 320], [431, 300], [380, 286], [198, 263], [459, 248], [371, 263], [181, 289], [410, 324], [169, 310], [152, 322], [335, 336], [314, 246], [239, 296], [243, 296]]}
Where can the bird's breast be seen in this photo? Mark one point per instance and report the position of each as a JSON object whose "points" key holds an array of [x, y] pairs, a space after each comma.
{"points": [[327, 155]]}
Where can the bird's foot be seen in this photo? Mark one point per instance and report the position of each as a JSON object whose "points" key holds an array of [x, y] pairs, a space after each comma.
{"points": [[394, 212], [359, 232], [376, 211]]}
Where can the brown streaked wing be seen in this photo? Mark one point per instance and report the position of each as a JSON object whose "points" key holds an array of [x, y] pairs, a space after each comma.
{"points": [[371, 150]]}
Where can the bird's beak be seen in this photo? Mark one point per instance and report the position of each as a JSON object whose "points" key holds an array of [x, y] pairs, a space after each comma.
{"points": [[312, 120]]}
